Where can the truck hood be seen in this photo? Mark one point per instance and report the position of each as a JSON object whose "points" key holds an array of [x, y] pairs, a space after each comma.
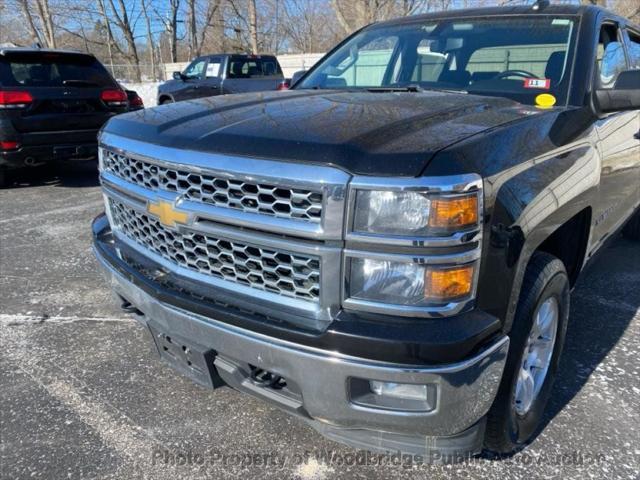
{"points": [[365, 133]]}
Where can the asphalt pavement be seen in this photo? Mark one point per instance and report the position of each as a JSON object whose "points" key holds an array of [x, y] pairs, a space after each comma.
{"points": [[83, 395]]}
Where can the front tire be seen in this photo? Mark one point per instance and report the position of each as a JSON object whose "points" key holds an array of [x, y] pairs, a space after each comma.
{"points": [[537, 338], [632, 228]]}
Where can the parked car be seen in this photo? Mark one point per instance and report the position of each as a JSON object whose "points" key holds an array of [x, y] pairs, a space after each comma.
{"points": [[135, 102], [387, 249], [220, 74], [52, 104]]}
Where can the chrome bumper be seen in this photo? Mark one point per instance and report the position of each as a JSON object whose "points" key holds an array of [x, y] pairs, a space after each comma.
{"points": [[465, 390]]}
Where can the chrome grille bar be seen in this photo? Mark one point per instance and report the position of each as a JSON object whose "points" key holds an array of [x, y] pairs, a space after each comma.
{"points": [[283, 273], [294, 203], [301, 200]]}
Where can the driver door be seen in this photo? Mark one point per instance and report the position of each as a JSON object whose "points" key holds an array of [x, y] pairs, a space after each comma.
{"points": [[192, 81], [212, 83]]}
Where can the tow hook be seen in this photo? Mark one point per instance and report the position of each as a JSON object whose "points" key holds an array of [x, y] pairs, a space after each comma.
{"points": [[265, 379]]}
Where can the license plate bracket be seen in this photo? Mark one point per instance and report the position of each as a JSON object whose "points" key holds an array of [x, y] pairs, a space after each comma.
{"points": [[189, 359], [65, 151]]}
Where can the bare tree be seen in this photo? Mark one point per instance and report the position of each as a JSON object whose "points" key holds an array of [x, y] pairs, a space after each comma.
{"points": [[41, 22], [171, 28], [253, 26], [121, 17], [198, 33], [192, 26], [26, 11], [111, 43], [244, 22], [308, 26], [150, 42], [355, 14], [47, 22]]}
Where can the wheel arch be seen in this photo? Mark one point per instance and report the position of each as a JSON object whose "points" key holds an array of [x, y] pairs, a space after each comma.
{"points": [[165, 96], [549, 208]]}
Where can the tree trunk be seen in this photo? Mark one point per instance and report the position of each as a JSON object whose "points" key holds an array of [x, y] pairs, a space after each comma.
{"points": [[35, 34], [253, 26], [173, 30], [48, 22], [121, 17], [213, 20], [150, 47], [192, 28], [340, 16]]}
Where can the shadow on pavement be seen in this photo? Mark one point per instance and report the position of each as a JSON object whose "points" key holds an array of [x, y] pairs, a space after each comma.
{"points": [[72, 174], [603, 304]]}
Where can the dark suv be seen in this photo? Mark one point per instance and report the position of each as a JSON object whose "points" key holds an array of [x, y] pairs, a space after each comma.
{"points": [[52, 104]]}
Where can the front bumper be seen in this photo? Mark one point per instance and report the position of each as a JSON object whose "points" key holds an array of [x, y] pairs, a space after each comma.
{"points": [[321, 380]]}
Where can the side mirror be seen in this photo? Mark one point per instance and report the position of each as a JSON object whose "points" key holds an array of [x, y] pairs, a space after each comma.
{"points": [[297, 76], [625, 94], [177, 76]]}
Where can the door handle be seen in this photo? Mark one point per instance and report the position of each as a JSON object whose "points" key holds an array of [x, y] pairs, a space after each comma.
{"points": [[637, 135]]}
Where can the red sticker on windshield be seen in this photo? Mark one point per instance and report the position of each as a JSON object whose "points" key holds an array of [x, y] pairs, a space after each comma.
{"points": [[543, 83]]}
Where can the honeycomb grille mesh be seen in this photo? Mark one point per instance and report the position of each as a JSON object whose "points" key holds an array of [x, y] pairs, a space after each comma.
{"points": [[291, 203], [296, 276]]}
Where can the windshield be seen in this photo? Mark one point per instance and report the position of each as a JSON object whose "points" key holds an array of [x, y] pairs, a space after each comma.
{"points": [[516, 57]]}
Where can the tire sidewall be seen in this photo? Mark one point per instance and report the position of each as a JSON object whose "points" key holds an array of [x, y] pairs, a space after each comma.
{"points": [[520, 428]]}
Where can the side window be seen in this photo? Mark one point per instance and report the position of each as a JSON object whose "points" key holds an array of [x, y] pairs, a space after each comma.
{"points": [[611, 59], [365, 66], [213, 68], [269, 67], [195, 69], [633, 47], [244, 68]]}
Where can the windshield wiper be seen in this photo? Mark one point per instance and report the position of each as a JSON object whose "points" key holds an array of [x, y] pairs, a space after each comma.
{"points": [[414, 89], [408, 88], [446, 90], [79, 83]]}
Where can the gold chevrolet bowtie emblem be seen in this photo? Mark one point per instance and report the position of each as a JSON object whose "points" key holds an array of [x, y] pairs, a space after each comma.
{"points": [[167, 215]]}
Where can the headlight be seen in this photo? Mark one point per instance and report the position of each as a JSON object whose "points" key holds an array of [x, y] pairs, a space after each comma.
{"points": [[413, 213], [385, 212], [409, 284]]}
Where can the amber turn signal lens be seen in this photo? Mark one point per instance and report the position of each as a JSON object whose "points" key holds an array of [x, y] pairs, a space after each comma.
{"points": [[454, 212], [448, 283]]}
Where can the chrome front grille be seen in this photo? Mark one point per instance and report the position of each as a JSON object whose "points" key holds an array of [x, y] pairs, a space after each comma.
{"points": [[292, 275], [254, 197]]}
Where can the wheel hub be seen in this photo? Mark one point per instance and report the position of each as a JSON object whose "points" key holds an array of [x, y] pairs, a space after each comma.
{"points": [[537, 355]]}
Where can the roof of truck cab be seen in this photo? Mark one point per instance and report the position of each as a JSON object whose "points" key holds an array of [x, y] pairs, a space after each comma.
{"points": [[249, 55], [580, 10]]}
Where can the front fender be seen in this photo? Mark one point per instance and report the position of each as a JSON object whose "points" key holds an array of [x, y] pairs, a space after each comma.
{"points": [[532, 201]]}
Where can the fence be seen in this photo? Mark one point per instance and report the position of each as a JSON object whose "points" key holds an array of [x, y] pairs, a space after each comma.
{"points": [[127, 73]]}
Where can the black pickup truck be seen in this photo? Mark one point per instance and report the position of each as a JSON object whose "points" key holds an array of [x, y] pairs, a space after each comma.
{"points": [[222, 74], [387, 250]]}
